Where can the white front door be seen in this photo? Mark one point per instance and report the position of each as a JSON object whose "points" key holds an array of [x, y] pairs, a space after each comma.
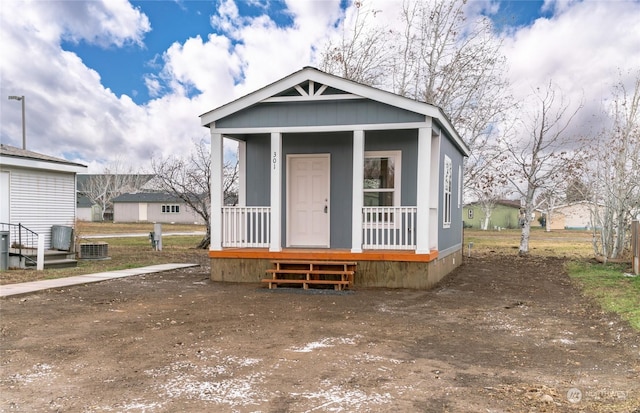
{"points": [[5, 203], [308, 200]]}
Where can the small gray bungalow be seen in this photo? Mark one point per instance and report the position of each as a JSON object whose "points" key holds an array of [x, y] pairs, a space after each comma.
{"points": [[334, 170]]}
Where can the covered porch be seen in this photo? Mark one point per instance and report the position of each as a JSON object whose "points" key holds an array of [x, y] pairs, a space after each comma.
{"points": [[360, 213]]}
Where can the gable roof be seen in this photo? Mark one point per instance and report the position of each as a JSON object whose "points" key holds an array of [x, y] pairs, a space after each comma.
{"points": [[510, 203], [14, 156], [83, 202], [336, 84]]}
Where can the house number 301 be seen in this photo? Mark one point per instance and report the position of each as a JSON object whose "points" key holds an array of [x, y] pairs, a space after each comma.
{"points": [[274, 160]]}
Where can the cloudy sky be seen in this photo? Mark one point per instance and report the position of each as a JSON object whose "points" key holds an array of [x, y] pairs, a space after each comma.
{"points": [[127, 80]]}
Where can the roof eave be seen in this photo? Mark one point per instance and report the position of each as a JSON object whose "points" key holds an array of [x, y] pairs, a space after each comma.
{"points": [[310, 73]]}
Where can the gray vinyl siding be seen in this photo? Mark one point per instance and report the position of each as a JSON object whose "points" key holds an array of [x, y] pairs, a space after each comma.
{"points": [[257, 170], [451, 237], [130, 212], [125, 212], [185, 216], [318, 113], [84, 214], [407, 142], [40, 199], [340, 146]]}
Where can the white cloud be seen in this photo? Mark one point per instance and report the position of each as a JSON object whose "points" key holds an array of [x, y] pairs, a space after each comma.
{"points": [[69, 110], [581, 49]]}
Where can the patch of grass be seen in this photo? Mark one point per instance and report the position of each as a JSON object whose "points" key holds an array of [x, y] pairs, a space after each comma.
{"points": [[560, 243], [124, 253], [85, 228], [611, 289]]}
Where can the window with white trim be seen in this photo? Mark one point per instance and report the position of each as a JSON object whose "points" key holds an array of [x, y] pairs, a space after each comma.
{"points": [[382, 178], [459, 186], [170, 209], [382, 183], [446, 192]]}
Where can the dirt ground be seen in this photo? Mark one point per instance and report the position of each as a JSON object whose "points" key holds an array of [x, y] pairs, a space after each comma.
{"points": [[500, 334]]}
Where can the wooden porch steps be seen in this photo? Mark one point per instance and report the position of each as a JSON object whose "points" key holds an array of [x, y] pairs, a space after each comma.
{"points": [[53, 259], [338, 274]]}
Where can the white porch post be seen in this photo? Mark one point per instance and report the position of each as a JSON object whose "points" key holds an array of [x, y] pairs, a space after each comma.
{"points": [[276, 192], [216, 191], [435, 185], [242, 173], [358, 188], [424, 189]]}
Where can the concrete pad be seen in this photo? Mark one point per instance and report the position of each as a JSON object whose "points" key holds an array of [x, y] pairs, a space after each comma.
{"points": [[32, 286]]}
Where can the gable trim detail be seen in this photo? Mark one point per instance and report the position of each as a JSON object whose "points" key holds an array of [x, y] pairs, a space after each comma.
{"points": [[314, 76]]}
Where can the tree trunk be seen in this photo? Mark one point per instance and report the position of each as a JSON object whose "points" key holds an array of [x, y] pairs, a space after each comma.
{"points": [[524, 238], [204, 244], [485, 224]]}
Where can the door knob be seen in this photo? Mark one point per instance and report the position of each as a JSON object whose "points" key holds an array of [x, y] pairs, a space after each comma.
{"points": [[326, 209]]}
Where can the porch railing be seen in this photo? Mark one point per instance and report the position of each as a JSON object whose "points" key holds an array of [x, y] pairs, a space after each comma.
{"points": [[389, 228], [23, 242], [246, 227]]}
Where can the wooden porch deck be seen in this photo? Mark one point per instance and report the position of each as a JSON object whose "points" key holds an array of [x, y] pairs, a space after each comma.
{"points": [[324, 254]]}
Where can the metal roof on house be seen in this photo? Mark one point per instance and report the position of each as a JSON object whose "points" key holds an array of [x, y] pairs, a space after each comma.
{"points": [[19, 153], [83, 202], [504, 202]]}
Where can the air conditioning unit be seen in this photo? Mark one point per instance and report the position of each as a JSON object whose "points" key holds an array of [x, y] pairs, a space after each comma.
{"points": [[94, 251]]}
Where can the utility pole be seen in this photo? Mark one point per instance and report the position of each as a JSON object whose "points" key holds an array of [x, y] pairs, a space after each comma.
{"points": [[24, 126]]}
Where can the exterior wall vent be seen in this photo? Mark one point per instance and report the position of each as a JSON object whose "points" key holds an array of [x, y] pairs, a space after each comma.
{"points": [[94, 251]]}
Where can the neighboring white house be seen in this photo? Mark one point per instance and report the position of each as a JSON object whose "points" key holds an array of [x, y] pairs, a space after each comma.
{"points": [[576, 215], [87, 210], [37, 191]]}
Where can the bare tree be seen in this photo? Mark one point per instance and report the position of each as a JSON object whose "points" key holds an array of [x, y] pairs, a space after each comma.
{"points": [[190, 180], [539, 157], [616, 173], [548, 201], [490, 189], [360, 53], [116, 179], [577, 190], [439, 57]]}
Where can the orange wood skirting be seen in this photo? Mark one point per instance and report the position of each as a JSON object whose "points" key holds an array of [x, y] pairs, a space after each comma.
{"points": [[322, 254]]}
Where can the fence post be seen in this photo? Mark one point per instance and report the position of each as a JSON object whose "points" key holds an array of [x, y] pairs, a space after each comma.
{"points": [[157, 236], [40, 253], [635, 243]]}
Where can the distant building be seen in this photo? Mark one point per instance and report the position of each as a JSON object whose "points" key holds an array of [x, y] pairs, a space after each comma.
{"points": [[87, 210], [505, 214], [153, 207], [576, 215], [125, 183]]}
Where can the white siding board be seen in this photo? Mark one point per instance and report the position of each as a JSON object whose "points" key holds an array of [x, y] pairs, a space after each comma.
{"points": [[41, 199]]}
